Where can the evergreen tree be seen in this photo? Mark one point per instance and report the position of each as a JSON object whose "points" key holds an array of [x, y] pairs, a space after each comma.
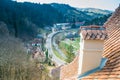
{"points": [[70, 55]]}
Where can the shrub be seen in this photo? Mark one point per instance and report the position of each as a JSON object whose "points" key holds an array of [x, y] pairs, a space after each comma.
{"points": [[15, 63]]}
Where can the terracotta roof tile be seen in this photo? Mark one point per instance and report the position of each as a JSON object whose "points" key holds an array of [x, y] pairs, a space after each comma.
{"points": [[111, 71], [84, 33], [70, 71], [93, 32]]}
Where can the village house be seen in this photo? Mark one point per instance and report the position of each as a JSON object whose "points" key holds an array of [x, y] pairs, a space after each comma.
{"points": [[71, 35], [78, 24], [99, 56], [35, 47], [61, 26]]}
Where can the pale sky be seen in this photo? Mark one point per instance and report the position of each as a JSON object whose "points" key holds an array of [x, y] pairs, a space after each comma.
{"points": [[102, 4]]}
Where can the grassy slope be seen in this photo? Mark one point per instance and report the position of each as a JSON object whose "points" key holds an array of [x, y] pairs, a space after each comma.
{"points": [[57, 54], [75, 43]]}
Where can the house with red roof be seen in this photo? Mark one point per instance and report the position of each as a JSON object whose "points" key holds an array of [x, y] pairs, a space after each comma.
{"points": [[99, 56]]}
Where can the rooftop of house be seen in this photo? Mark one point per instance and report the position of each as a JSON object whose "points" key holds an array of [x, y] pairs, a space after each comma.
{"points": [[93, 32], [111, 71]]}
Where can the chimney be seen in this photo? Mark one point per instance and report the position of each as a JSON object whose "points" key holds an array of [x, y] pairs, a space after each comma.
{"points": [[91, 47]]}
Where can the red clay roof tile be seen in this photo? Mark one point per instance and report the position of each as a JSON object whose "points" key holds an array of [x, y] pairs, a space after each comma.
{"points": [[111, 71], [93, 32], [111, 51]]}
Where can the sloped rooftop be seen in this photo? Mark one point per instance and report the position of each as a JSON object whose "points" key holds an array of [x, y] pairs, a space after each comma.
{"points": [[111, 71], [111, 51], [70, 71], [94, 32]]}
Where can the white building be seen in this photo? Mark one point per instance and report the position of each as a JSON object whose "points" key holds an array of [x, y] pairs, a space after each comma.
{"points": [[91, 47]]}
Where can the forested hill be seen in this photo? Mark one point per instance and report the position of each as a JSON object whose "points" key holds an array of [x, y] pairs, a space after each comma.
{"points": [[80, 14], [98, 21], [23, 20]]}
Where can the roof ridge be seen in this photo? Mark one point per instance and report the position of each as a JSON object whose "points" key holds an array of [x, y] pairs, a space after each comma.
{"points": [[93, 32]]}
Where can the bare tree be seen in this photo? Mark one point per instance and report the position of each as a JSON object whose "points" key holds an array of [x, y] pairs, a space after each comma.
{"points": [[15, 63]]}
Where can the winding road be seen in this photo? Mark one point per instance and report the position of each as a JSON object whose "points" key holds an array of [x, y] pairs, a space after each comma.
{"points": [[50, 51]]}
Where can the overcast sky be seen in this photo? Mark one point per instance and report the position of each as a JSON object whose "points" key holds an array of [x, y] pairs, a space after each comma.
{"points": [[102, 4]]}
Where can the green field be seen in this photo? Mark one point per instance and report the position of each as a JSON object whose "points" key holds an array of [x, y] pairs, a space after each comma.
{"points": [[57, 54], [74, 43], [68, 50]]}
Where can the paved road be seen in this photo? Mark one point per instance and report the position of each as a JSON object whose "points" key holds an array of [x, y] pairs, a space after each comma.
{"points": [[50, 51]]}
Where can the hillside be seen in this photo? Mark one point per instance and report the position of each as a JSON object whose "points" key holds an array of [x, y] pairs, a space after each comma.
{"points": [[70, 13], [25, 20], [94, 12], [80, 14], [98, 21]]}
